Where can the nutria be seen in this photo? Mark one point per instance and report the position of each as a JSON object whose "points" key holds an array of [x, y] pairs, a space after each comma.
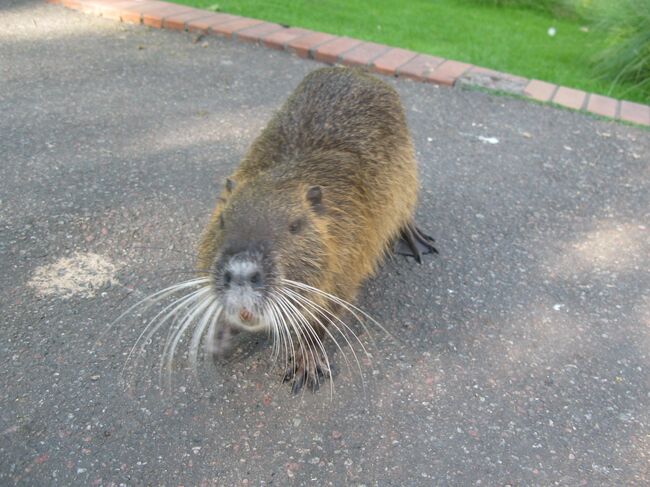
{"points": [[311, 211], [324, 192]]}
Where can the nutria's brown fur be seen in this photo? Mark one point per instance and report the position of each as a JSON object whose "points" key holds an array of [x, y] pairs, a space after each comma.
{"points": [[326, 188]]}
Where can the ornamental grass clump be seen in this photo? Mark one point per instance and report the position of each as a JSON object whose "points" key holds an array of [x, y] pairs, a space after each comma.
{"points": [[626, 59]]}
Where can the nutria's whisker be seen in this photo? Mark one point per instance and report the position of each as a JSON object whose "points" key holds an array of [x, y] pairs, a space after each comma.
{"points": [[311, 335], [345, 304], [278, 338], [284, 333], [289, 314], [302, 301], [159, 295], [279, 341], [289, 349], [213, 311], [272, 333], [306, 351], [288, 323], [164, 293], [149, 331], [187, 307], [179, 331], [292, 303], [327, 314]]}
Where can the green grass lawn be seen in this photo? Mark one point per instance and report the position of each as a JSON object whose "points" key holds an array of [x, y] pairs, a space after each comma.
{"points": [[506, 39]]}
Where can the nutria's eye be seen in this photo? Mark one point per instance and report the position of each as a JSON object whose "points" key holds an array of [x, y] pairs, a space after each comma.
{"points": [[295, 226], [256, 278]]}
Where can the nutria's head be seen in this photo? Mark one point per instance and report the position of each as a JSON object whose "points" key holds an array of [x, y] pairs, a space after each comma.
{"points": [[260, 235]]}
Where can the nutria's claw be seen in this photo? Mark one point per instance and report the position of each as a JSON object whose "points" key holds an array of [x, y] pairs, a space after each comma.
{"points": [[414, 243], [304, 372], [297, 384]]}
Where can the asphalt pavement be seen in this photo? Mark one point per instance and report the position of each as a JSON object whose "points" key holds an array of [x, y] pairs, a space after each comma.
{"points": [[520, 354]]}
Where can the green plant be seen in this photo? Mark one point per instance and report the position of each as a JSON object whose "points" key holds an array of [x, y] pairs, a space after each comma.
{"points": [[626, 57]]}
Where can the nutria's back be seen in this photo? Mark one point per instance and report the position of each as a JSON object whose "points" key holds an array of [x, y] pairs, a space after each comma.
{"points": [[334, 109]]}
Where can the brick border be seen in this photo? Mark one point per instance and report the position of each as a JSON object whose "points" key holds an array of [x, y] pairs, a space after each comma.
{"points": [[379, 58]]}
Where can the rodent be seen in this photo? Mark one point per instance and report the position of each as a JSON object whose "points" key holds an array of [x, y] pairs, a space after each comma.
{"points": [[319, 199]]}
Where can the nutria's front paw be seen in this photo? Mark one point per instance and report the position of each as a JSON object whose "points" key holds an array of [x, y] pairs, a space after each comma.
{"points": [[308, 368], [222, 340]]}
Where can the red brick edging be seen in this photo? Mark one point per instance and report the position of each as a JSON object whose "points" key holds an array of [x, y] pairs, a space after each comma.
{"points": [[333, 49]]}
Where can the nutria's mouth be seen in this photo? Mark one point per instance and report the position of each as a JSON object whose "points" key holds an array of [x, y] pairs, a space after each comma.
{"points": [[245, 318], [245, 314]]}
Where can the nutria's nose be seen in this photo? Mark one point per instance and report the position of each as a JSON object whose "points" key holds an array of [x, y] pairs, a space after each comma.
{"points": [[243, 273]]}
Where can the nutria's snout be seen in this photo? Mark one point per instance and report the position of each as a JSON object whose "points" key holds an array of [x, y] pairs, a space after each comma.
{"points": [[241, 281], [241, 272]]}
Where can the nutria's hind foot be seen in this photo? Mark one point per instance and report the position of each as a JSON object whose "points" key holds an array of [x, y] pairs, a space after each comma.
{"points": [[309, 368], [413, 242]]}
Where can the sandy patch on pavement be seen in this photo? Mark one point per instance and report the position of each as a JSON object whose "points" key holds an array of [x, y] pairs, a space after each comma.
{"points": [[83, 275]]}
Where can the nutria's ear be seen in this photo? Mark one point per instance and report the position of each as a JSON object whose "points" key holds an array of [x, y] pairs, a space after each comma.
{"points": [[230, 184], [315, 198]]}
